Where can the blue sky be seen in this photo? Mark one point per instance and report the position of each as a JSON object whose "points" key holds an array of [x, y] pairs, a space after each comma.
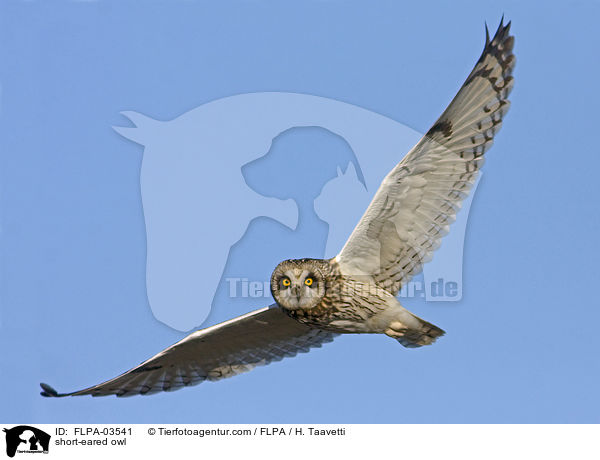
{"points": [[521, 346]]}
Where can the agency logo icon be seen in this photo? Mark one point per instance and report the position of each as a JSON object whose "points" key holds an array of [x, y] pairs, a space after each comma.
{"points": [[26, 439]]}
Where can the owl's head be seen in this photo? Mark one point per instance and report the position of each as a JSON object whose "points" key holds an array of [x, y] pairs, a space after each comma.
{"points": [[298, 284]]}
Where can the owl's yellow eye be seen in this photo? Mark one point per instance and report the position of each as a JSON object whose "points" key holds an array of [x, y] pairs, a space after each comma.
{"points": [[308, 281], [286, 282]]}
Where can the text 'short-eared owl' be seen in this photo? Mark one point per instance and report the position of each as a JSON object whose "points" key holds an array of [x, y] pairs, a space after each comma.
{"points": [[355, 292]]}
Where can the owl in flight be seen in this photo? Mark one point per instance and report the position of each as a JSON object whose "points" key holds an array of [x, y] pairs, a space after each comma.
{"points": [[355, 292]]}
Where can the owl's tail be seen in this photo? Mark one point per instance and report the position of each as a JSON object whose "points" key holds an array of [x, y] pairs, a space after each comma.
{"points": [[415, 332]]}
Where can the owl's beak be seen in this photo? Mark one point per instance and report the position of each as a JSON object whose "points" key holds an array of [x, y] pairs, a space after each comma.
{"points": [[296, 292]]}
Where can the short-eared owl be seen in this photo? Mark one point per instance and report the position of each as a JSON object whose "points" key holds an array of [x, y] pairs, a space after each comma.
{"points": [[355, 292]]}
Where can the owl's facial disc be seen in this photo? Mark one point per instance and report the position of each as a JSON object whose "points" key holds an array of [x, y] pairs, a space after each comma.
{"points": [[297, 287]]}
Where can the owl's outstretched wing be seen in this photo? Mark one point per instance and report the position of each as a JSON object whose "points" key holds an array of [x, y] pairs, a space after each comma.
{"points": [[420, 197], [214, 353]]}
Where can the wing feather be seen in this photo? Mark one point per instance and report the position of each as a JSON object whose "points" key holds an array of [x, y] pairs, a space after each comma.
{"points": [[419, 198], [221, 351]]}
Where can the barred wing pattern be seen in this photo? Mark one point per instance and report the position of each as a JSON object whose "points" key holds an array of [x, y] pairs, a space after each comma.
{"points": [[419, 198], [214, 353]]}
